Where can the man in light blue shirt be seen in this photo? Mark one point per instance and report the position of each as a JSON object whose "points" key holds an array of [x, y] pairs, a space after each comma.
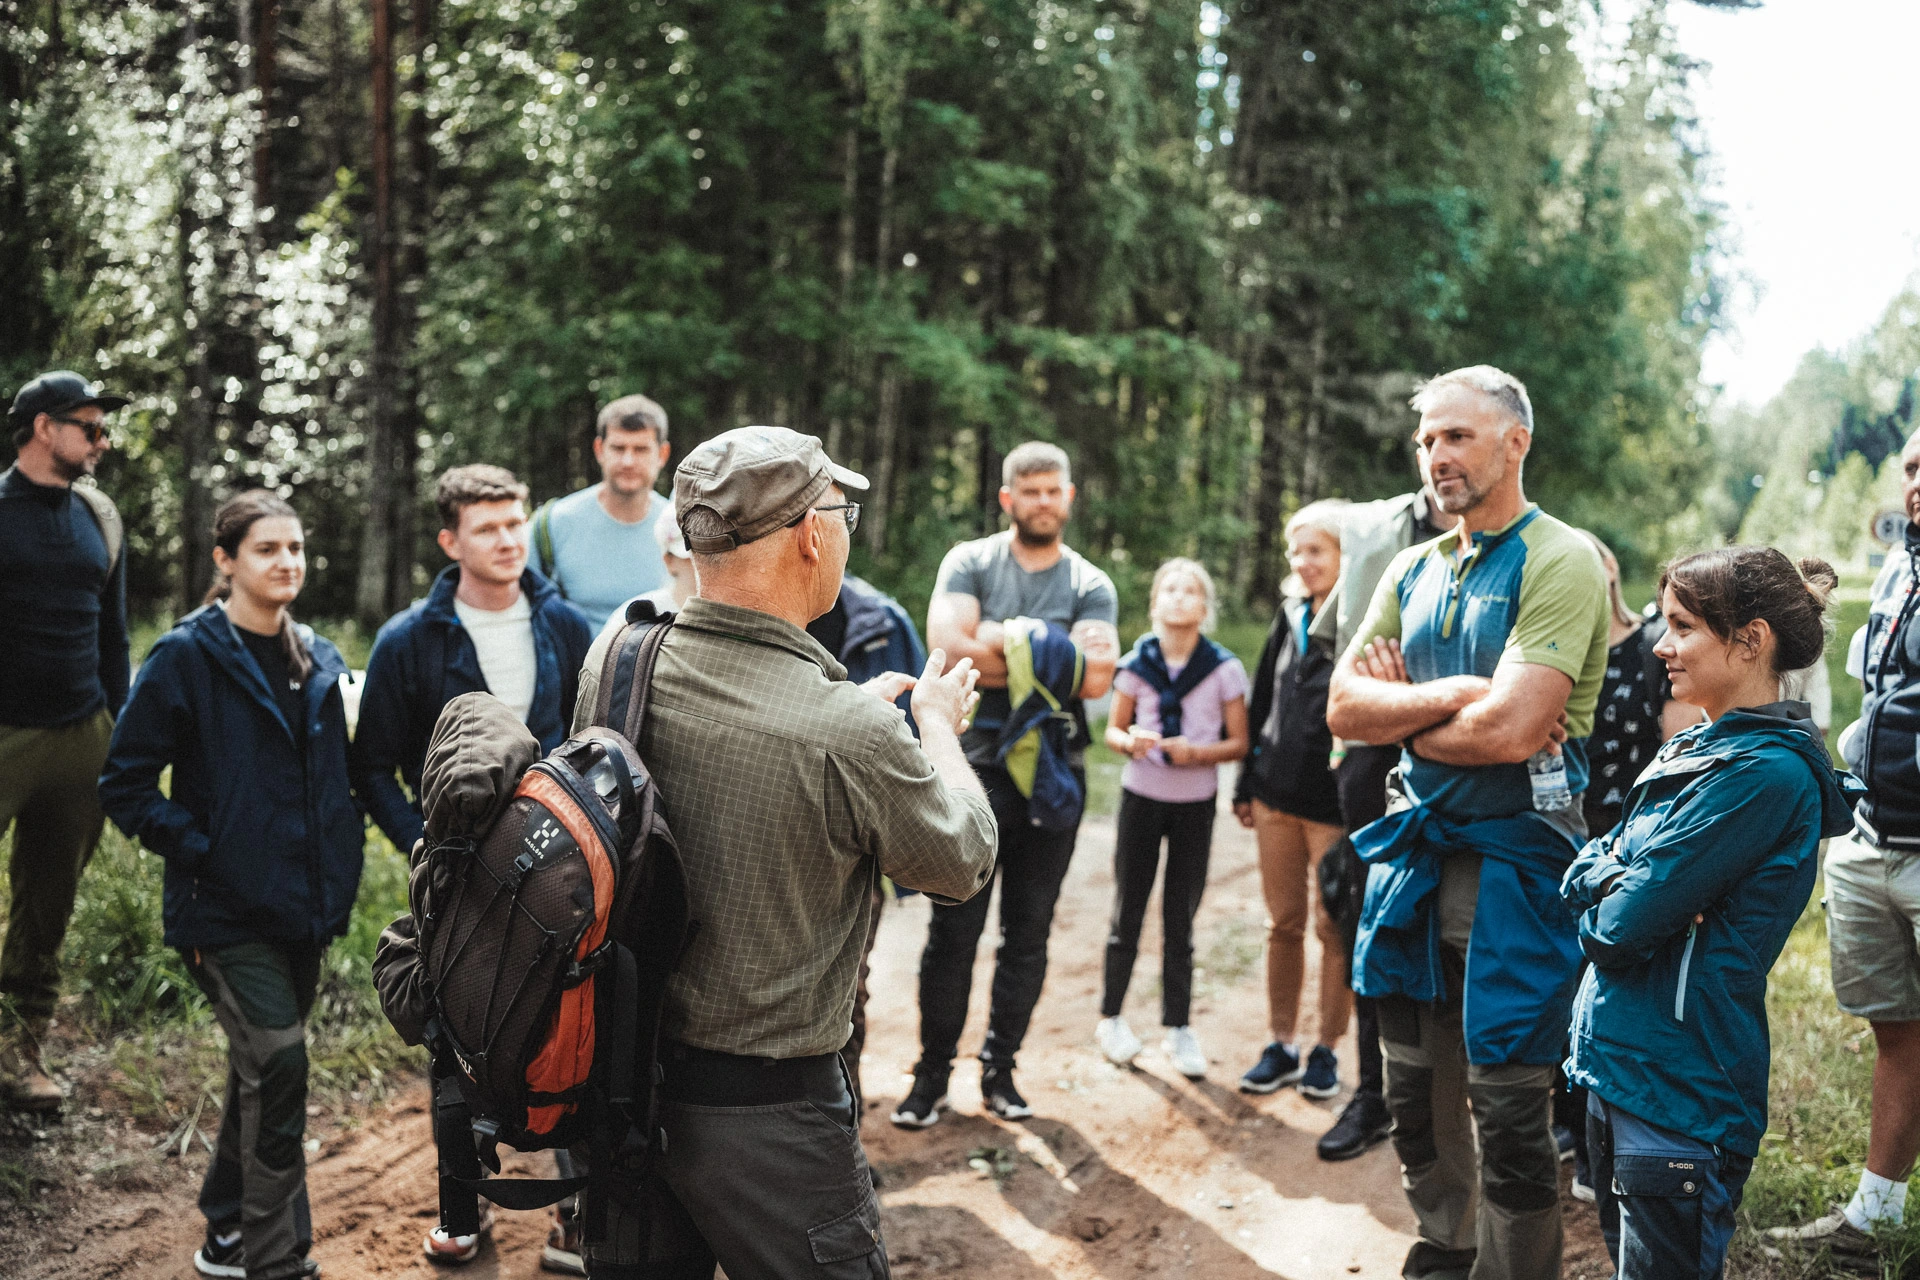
{"points": [[598, 545]]}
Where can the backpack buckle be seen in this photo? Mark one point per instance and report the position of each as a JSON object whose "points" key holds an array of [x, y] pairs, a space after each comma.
{"points": [[585, 967]]}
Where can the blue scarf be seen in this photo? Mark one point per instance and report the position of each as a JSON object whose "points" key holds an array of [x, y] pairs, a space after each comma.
{"points": [[1147, 662]]}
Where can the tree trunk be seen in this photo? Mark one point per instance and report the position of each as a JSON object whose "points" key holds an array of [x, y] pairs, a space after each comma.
{"points": [[843, 262], [196, 418], [410, 421], [886, 417], [265, 69], [377, 552]]}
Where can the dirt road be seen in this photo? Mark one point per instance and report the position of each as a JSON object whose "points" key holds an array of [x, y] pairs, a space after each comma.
{"points": [[1120, 1173]]}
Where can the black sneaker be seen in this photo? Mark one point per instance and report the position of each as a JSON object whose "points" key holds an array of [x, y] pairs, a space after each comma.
{"points": [[1360, 1128], [921, 1107], [996, 1086], [215, 1259]]}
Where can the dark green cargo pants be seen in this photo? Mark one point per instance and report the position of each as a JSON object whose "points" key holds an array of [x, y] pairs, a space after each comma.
{"points": [[49, 795], [257, 1183]]}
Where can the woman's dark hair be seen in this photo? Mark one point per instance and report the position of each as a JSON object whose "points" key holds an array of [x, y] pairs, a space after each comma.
{"points": [[1729, 587], [231, 522]]}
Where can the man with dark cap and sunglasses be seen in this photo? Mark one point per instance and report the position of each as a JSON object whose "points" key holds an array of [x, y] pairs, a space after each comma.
{"points": [[63, 629], [790, 791]]}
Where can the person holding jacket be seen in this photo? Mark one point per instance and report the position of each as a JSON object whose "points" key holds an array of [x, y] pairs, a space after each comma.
{"points": [[1687, 903], [262, 844], [1288, 797]]}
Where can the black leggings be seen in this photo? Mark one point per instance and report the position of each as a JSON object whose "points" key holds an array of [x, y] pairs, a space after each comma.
{"points": [[1188, 830]]}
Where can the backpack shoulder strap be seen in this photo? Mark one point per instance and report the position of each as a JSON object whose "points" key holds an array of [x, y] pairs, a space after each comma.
{"points": [[626, 676], [107, 516], [543, 543]]}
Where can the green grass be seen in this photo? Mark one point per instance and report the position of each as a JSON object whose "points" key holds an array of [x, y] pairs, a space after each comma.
{"points": [[130, 991], [1816, 1141]]}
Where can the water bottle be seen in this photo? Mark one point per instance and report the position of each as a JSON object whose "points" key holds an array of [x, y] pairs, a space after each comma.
{"points": [[1547, 771]]}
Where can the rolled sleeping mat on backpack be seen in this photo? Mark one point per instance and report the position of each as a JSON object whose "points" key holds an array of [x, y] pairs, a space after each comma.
{"points": [[476, 757]]}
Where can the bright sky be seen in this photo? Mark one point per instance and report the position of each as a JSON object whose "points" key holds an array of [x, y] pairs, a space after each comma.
{"points": [[1812, 113]]}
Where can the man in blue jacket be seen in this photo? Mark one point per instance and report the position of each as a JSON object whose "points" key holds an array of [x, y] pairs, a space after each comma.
{"points": [[489, 625], [1483, 651]]}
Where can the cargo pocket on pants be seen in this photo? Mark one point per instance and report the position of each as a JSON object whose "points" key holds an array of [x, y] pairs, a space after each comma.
{"points": [[1660, 1213], [854, 1234]]}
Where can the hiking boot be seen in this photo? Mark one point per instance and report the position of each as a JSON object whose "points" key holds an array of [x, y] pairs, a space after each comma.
{"points": [[921, 1107], [1117, 1042], [1361, 1127], [455, 1251], [996, 1086], [1278, 1065], [1321, 1079], [1849, 1245], [24, 1082], [562, 1252], [1184, 1052]]}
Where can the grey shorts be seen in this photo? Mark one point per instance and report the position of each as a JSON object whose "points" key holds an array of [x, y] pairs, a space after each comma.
{"points": [[1873, 926]]}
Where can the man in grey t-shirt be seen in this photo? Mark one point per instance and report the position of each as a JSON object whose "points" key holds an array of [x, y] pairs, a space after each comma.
{"points": [[1026, 572]]}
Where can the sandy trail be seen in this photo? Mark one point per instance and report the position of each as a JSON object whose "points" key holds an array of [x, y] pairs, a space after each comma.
{"points": [[1120, 1173]]}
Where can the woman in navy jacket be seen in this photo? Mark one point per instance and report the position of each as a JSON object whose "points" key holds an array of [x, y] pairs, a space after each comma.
{"points": [[1687, 903], [262, 842]]}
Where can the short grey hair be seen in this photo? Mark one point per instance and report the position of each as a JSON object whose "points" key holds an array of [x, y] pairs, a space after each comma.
{"points": [[1497, 385], [1327, 515], [1035, 457]]}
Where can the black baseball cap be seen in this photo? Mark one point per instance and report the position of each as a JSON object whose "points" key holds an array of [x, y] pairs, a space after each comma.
{"points": [[60, 392]]}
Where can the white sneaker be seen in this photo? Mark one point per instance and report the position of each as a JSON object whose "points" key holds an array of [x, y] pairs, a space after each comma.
{"points": [[1184, 1051], [1117, 1041]]}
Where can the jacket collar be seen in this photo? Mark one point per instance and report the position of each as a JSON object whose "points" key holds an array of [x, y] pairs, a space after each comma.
{"points": [[1739, 732], [868, 618], [755, 627], [439, 602], [213, 631]]}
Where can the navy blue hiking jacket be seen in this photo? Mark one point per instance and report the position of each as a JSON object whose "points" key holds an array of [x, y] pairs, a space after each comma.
{"points": [[880, 636], [261, 837], [1671, 1021], [1523, 957], [422, 659]]}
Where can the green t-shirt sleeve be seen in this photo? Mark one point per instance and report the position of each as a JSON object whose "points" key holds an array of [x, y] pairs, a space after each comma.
{"points": [[1383, 611], [1563, 593]]}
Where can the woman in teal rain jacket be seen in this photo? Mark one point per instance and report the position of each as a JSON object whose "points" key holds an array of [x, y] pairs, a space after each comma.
{"points": [[1686, 904]]}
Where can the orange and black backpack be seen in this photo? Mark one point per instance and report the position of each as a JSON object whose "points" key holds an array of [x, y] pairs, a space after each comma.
{"points": [[547, 935]]}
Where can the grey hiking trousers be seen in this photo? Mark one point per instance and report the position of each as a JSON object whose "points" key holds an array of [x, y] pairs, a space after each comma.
{"points": [[261, 993], [1488, 1210]]}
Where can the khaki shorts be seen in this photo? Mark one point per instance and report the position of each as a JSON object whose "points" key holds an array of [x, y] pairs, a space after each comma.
{"points": [[1873, 925]]}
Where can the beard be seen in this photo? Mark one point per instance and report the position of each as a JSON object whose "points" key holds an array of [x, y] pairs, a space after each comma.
{"points": [[1037, 535], [1466, 494], [71, 469]]}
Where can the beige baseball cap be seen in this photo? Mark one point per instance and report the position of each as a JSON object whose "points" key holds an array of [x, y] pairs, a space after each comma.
{"points": [[757, 480]]}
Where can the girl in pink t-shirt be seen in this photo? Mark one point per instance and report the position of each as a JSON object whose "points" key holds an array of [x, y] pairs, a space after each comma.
{"points": [[1179, 711]]}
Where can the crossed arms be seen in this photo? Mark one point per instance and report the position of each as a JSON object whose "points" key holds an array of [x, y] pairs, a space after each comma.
{"points": [[953, 624], [1457, 720]]}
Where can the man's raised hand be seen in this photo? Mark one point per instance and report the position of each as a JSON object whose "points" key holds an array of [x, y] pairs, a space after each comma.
{"points": [[946, 697], [889, 685]]}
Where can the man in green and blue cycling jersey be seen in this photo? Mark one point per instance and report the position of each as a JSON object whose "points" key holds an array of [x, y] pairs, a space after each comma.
{"points": [[1482, 654]]}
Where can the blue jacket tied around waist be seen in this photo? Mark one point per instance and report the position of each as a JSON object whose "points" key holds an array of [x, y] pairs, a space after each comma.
{"points": [[1671, 1021], [1044, 668], [261, 836], [1524, 955]]}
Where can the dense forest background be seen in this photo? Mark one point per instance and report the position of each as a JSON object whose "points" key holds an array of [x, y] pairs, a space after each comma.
{"points": [[333, 246]]}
